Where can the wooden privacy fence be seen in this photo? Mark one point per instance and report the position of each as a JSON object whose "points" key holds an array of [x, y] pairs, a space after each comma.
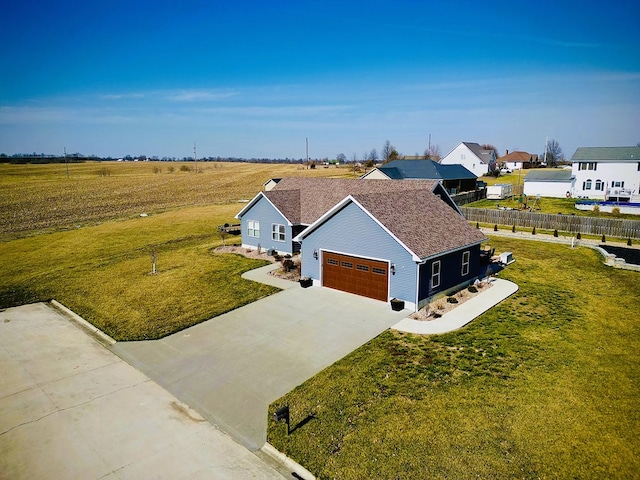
{"points": [[613, 227], [468, 197]]}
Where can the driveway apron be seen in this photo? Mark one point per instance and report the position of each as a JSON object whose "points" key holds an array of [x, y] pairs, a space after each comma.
{"points": [[232, 367]]}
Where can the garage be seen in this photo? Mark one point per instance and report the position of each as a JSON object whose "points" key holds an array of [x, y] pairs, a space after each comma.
{"points": [[369, 278]]}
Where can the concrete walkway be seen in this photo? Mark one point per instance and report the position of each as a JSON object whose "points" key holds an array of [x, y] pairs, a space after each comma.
{"points": [[232, 367], [463, 313], [69, 408]]}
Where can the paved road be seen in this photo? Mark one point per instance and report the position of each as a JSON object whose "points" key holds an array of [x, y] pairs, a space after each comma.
{"points": [[70, 408], [230, 368]]}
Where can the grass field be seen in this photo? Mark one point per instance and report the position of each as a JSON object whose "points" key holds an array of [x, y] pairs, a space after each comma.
{"points": [[545, 385], [82, 241]]}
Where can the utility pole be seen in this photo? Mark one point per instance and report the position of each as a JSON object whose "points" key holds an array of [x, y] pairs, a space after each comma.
{"points": [[195, 157], [66, 164], [306, 140]]}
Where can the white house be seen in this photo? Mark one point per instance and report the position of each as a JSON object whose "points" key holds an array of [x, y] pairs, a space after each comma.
{"points": [[473, 157], [609, 173], [519, 160]]}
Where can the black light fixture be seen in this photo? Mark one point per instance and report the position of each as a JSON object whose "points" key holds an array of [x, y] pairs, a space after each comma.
{"points": [[315, 254], [393, 269], [283, 414]]}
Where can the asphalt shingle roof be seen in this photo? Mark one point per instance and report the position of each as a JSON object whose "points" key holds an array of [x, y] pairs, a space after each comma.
{"points": [[607, 154], [563, 175], [408, 209]]}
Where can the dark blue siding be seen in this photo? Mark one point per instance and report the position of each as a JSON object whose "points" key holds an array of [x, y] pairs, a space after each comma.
{"points": [[450, 272]]}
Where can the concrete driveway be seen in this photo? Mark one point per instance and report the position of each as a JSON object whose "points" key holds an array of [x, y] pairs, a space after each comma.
{"points": [[69, 408], [232, 367]]}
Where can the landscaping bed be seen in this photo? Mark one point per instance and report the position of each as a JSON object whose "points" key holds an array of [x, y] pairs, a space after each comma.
{"points": [[439, 307]]}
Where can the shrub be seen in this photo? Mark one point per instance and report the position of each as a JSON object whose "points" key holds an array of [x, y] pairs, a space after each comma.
{"points": [[533, 232], [596, 209], [171, 169], [472, 289], [555, 233], [579, 236], [452, 300], [615, 211], [185, 168], [157, 169], [604, 239], [288, 265], [513, 229], [629, 241], [477, 225], [495, 228]]}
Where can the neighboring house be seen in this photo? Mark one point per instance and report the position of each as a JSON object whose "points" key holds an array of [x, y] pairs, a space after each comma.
{"points": [[610, 173], [454, 178], [378, 239], [473, 157], [557, 183], [519, 160], [269, 184]]}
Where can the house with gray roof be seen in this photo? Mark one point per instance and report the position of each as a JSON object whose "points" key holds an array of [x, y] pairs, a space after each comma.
{"points": [[473, 157], [556, 183], [607, 173], [454, 178], [378, 239]]}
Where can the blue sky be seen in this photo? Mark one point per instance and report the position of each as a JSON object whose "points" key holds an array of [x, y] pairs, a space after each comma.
{"points": [[254, 79]]}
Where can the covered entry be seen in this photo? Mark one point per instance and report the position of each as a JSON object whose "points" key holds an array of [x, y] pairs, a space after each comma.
{"points": [[369, 278]]}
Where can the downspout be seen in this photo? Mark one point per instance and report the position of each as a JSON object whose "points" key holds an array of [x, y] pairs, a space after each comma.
{"points": [[421, 262]]}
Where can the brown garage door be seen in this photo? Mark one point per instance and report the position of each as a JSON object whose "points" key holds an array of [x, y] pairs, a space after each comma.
{"points": [[369, 278]]}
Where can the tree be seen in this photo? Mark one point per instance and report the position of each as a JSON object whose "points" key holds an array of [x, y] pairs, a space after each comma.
{"points": [[488, 146], [432, 153], [373, 156], [387, 151], [341, 158], [553, 153]]}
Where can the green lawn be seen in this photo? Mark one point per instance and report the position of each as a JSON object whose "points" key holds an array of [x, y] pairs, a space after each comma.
{"points": [[103, 272], [545, 385]]}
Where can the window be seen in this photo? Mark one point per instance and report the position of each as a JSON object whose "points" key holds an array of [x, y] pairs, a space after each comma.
{"points": [[278, 232], [332, 261], [253, 228], [435, 274], [347, 264], [587, 185], [379, 271], [465, 263], [617, 184], [362, 268], [599, 185], [463, 157], [593, 166], [582, 166]]}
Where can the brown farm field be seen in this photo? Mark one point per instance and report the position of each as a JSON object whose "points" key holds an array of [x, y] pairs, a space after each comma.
{"points": [[83, 242], [36, 198]]}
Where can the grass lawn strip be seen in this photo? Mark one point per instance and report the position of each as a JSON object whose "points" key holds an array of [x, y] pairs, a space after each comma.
{"points": [[544, 385]]}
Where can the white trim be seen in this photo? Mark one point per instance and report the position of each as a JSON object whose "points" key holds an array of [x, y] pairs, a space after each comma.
{"points": [[349, 199], [278, 233], [431, 285], [467, 263], [254, 200]]}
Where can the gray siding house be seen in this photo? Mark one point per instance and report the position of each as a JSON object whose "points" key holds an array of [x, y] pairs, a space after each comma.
{"points": [[376, 238]]}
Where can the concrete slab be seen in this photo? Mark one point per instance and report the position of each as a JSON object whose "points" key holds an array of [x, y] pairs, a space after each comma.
{"points": [[231, 367], [462, 314], [69, 408]]}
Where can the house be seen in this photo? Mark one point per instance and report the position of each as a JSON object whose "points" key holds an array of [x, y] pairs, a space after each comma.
{"points": [[473, 157], [609, 173], [378, 239], [519, 160], [454, 178], [557, 183]]}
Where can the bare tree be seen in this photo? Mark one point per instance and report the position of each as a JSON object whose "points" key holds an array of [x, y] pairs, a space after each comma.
{"points": [[341, 158], [488, 146], [433, 153], [387, 151], [553, 153], [373, 155]]}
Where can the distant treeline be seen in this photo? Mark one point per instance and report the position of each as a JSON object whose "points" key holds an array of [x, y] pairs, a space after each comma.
{"points": [[78, 158]]}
